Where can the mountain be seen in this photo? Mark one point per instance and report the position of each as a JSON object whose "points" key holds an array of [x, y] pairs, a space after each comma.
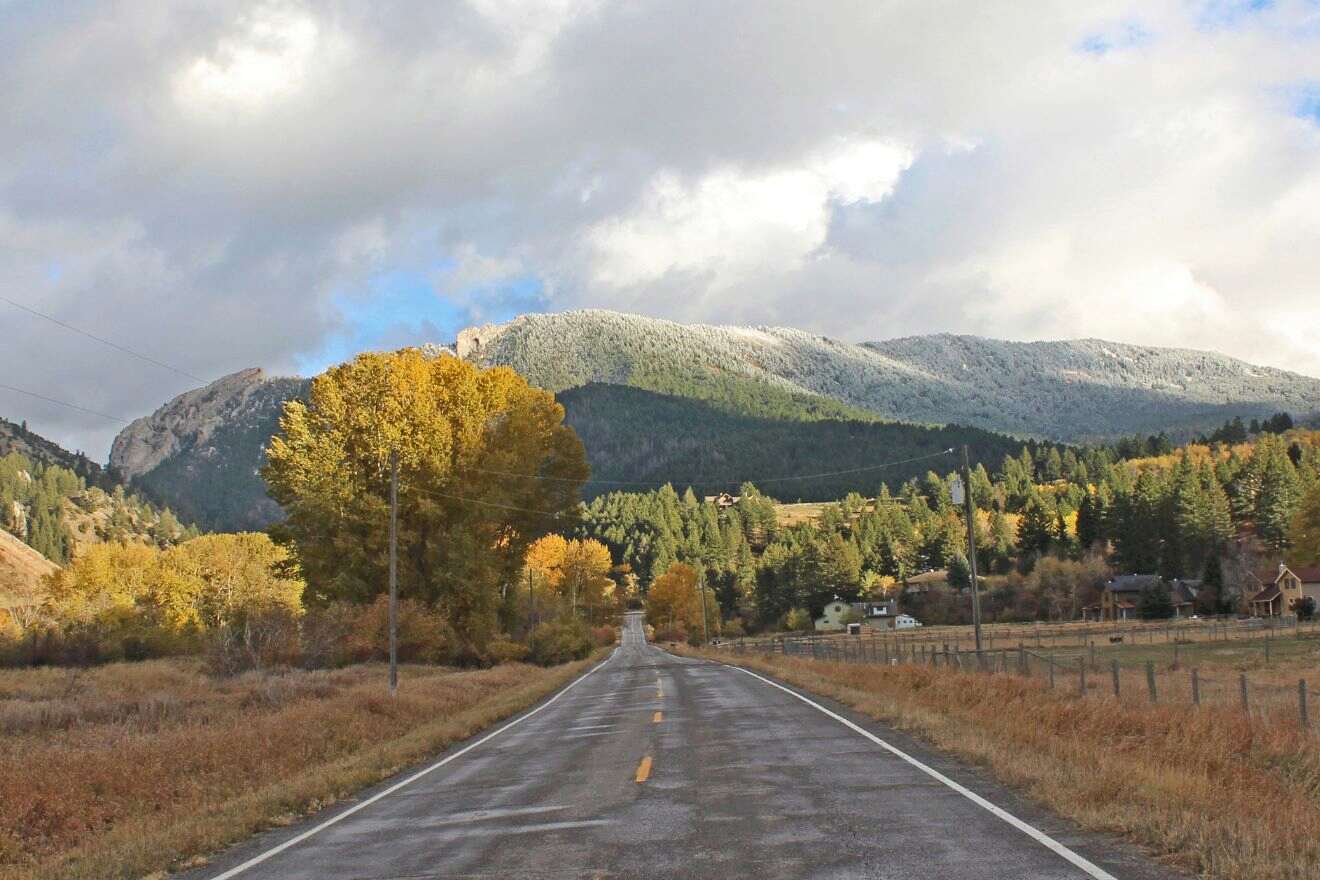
{"points": [[202, 452], [1075, 390], [655, 401]]}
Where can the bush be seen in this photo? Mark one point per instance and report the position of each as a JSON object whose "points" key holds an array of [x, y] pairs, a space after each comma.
{"points": [[258, 640], [671, 634], [604, 636], [424, 634], [505, 650], [798, 619], [559, 642]]}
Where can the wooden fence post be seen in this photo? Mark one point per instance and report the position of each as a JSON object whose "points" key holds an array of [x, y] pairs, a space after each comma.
{"points": [[1115, 671], [1150, 679], [1081, 683], [1242, 686], [1051, 662], [1196, 688], [1303, 715]]}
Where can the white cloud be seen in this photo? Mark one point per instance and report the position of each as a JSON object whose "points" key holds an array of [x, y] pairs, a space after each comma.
{"points": [[269, 57], [730, 223], [207, 179]]}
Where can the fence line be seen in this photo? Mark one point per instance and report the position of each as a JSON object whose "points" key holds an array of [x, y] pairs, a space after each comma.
{"points": [[1130, 682]]}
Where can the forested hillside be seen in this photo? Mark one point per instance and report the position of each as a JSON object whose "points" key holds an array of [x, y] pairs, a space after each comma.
{"points": [[55, 512], [641, 437], [15, 437]]}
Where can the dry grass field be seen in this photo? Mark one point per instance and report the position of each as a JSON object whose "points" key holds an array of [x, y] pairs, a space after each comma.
{"points": [[1213, 790], [129, 769]]}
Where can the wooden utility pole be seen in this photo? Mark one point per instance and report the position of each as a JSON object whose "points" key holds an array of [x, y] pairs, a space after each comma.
{"points": [[394, 572], [970, 509], [701, 588]]}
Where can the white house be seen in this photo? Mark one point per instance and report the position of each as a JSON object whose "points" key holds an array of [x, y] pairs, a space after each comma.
{"points": [[906, 621], [832, 620]]}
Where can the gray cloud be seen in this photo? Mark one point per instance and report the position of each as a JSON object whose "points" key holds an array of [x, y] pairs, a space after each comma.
{"points": [[202, 183]]}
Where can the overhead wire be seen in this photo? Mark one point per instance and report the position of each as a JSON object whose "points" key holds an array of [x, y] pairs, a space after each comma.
{"points": [[115, 345], [64, 403], [724, 482]]}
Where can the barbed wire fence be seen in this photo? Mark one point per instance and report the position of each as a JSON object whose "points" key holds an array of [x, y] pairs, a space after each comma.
{"points": [[1083, 662]]}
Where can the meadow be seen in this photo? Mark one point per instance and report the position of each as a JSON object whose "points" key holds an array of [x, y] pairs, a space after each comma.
{"points": [[132, 769]]}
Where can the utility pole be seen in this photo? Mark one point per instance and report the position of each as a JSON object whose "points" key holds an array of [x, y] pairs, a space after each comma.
{"points": [[970, 509], [394, 572], [701, 588], [531, 601]]}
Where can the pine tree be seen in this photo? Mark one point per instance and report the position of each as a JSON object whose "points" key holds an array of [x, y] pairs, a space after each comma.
{"points": [[1035, 531]]}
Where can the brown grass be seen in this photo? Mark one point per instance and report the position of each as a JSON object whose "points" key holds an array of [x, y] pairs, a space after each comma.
{"points": [[1211, 790], [128, 769]]}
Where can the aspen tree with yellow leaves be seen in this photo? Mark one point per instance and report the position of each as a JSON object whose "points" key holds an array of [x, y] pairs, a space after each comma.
{"points": [[486, 466]]}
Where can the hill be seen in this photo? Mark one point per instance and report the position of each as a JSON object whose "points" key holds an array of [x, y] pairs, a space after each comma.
{"points": [[21, 571], [16, 438], [1075, 390], [56, 510], [640, 437]]}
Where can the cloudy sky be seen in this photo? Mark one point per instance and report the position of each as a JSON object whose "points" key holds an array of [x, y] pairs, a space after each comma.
{"points": [[281, 184]]}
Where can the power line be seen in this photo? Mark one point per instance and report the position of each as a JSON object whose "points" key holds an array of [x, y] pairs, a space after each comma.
{"points": [[64, 404], [115, 345], [722, 482]]}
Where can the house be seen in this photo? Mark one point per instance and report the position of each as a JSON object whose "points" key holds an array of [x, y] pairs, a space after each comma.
{"points": [[1118, 600], [926, 581], [1183, 592], [906, 621], [872, 610], [834, 616], [1281, 590], [723, 500]]}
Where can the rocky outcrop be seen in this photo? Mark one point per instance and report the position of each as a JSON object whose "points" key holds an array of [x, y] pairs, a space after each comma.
{"points": [[202, 452], [187, 421]]}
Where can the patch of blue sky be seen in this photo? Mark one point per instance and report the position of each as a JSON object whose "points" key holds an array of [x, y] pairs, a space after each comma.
{"points": [[407, 307], [1217, 14], [1304, 101], [1124, 35]]}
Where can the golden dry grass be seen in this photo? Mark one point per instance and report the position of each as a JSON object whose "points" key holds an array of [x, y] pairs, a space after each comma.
{"points": [[128, 769], [1211, 790]]}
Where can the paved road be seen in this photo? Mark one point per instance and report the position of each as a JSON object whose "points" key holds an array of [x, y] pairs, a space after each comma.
{"points": [[660, 766]]}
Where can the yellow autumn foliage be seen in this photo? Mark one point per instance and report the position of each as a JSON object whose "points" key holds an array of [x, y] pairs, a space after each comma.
{"points": [[199, 584]]}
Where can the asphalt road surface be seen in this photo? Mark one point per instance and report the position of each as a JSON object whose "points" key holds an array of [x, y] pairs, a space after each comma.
{"points": [[658, 766]]}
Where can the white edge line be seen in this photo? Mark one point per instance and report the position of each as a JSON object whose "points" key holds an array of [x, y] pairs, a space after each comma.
{"points": [[317, 829], [1031, 831]]}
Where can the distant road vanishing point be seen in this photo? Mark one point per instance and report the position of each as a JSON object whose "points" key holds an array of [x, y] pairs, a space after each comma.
{"points": [[653, 765]]}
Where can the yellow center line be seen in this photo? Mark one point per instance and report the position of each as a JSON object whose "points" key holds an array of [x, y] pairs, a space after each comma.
{"points": [[644, 769], [659, 716]]}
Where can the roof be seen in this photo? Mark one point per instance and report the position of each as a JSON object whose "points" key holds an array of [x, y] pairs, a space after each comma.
{"points": [[1267, 594], [1308, 575], [1132, 583]]}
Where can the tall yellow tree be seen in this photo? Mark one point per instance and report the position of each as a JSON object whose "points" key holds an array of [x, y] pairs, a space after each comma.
{"points": [[485, 466], [675, 602], [575, 570]]}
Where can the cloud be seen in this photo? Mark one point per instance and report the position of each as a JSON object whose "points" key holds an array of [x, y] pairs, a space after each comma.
{"points": [[227, 186]]}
